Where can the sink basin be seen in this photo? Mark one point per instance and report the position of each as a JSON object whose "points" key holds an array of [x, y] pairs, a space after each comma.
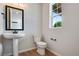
{"points": [[13, 36]]}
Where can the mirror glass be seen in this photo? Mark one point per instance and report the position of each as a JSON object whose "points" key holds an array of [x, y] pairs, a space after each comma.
{"points": [[14, 18]]}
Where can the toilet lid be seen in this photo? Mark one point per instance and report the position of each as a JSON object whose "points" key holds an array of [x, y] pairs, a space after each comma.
{"points": [[41, 43]]}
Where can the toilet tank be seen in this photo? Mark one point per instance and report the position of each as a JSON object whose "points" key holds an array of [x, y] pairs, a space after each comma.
{"points": [[37, 38]]}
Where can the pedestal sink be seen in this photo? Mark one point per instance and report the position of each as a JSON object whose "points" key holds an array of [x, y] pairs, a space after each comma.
{"points": [[15, 38]]}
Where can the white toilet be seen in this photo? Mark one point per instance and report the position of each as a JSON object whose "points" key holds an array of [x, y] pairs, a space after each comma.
{"points": [[0, 49], [40, 45]]}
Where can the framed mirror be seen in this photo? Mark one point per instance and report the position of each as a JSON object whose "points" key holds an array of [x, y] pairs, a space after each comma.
{"points": [[14, 18]]}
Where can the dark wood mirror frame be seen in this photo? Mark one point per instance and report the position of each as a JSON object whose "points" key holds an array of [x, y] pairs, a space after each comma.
{"points": [[9, 17]]}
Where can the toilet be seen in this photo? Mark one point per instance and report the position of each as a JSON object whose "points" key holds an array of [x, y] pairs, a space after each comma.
{"points": [[0, 49], [40, 45]]}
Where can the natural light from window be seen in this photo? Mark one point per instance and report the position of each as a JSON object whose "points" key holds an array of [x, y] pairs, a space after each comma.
{"points": [[55, 11]]}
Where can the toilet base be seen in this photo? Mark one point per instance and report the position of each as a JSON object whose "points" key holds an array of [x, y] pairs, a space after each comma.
{"points": [[41, 51]]}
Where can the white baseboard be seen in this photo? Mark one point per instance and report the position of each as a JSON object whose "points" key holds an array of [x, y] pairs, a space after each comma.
{"points": [[27, 50], [58, 54]]}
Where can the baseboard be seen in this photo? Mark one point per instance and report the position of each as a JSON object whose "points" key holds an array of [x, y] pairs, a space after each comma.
{"points": [[56, 53], [34, 48], [27, 50], [8, 54]]}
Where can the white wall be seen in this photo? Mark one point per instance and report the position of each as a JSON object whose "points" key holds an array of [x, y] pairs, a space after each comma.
{"points": [[32, 26], [33, 23], [67, 36]]}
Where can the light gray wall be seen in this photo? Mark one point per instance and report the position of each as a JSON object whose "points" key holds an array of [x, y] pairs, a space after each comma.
{"points": [[67, 36], [32, 26]]}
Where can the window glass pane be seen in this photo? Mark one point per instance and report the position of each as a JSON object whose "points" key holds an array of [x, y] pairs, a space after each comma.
{"points": [[56, 15]]}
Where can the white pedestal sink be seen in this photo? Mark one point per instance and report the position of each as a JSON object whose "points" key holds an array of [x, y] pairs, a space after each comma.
{"points": [[15, 38]]}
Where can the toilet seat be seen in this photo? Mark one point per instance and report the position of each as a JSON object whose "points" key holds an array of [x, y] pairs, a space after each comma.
{"points": [[41, 43]]}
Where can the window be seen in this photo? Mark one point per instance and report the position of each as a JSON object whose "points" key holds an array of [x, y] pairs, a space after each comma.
{"points": [[55, 15]]}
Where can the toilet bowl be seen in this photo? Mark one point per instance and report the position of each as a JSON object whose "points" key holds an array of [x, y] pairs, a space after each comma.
{"points": [[40, 45], [0, 49]]}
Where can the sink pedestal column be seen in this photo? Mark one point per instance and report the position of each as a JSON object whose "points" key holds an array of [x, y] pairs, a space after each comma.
{"points": [[15, 47]]}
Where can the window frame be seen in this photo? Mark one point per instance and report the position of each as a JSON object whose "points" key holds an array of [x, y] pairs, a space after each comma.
{"points": [[50, 17]]}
